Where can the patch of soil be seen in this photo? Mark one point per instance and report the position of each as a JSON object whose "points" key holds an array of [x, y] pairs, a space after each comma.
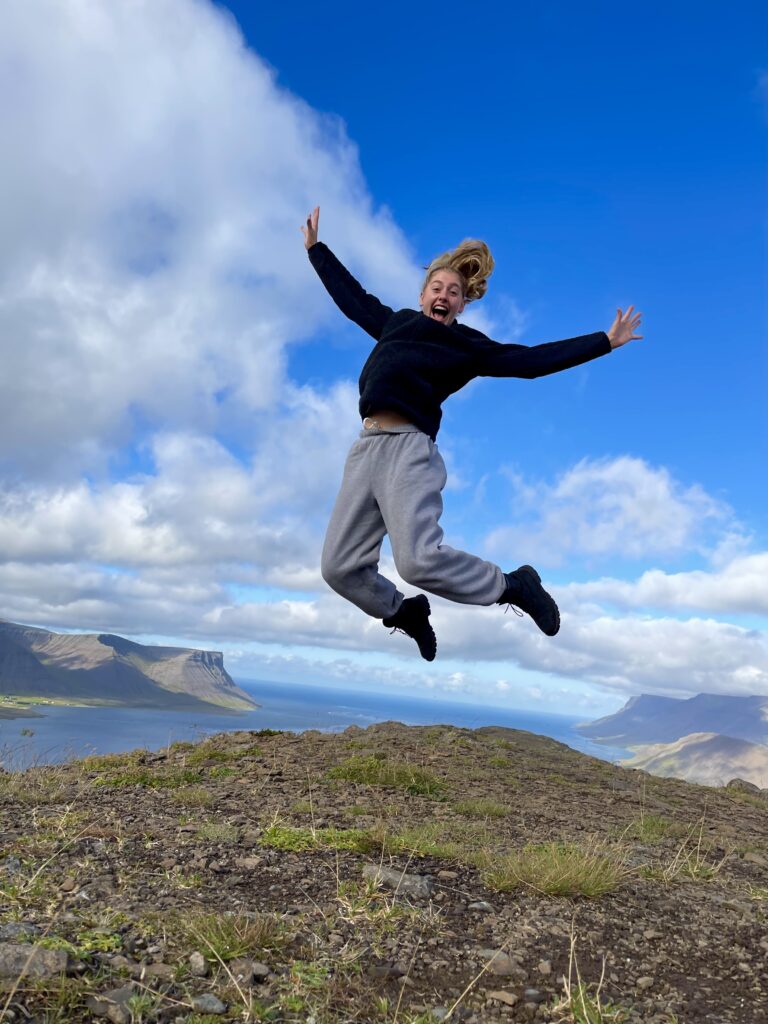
{"points": [[110, 872]]}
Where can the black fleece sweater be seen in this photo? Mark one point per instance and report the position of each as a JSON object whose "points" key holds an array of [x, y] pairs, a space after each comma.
{"points": [[418, 362]]}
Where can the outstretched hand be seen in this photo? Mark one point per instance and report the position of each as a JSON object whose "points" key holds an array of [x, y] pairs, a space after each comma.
{"points": [[623, 328], [310, 229]]}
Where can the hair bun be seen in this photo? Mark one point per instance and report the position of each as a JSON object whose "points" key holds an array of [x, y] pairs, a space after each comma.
{"points": [[473, 262]]}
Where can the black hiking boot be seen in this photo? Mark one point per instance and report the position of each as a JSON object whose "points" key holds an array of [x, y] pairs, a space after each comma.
{"points": [[412, 618], [524, 591]]}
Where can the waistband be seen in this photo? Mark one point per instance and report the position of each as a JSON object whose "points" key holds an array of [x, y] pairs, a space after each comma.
{"points": [[405, 428]]}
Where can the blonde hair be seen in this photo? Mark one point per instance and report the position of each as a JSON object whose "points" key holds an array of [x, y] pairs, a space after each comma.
{"points": [[472, 261]]}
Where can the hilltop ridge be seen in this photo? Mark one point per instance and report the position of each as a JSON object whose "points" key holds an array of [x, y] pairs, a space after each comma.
{"points": [[392, 875], [104, 668]]}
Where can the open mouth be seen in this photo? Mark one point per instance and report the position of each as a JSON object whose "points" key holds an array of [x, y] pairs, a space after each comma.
{"points": [[439, 311]]}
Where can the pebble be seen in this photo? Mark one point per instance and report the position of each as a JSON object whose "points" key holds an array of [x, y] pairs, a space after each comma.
{"points": [[482, 906], [501, 964], [544, 967], [408, 885], [208, 1003], [198, 965], [23, 960], [18, 930], [532, 995], [645, 982], [508, 998], [163, 971], [449, 876]]}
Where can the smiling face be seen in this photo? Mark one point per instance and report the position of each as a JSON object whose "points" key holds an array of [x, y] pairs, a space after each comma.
{"points": [[443, 296]]}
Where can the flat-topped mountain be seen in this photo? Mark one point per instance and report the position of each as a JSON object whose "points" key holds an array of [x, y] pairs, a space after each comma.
{"points": [[651, 719], [102, 668]]}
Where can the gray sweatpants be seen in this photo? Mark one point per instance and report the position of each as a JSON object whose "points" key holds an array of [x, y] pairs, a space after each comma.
{"points": [[392, 484]]}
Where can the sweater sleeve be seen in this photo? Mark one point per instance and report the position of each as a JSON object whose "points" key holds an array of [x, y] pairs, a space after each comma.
{"points": [[539, 360], [348, 294]]}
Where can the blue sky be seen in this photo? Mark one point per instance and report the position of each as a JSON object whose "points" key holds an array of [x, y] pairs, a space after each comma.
{"points": [[180, 392]]}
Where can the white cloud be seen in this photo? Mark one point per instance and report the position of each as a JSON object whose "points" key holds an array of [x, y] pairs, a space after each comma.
{"points": [[609, 507], [151, 268], [739, 587], [201, 505], [152, 281]]}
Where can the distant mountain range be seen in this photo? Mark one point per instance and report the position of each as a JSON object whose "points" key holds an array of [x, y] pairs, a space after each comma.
{"points": [[106, 669], [710, 738]]}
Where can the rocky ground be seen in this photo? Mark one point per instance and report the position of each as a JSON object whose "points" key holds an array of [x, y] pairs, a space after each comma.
{"points": [[393, 874]]}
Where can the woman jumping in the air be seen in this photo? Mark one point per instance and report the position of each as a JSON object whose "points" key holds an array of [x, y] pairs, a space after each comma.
{"points": [[394, 473]]}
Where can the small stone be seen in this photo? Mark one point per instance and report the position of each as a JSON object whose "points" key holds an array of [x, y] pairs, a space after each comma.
{"points": [[248, 863], [11, 865], [544, 967], [645, 982], [18, 930], [120, 962], [501, 964], [242, 969], [756, 858], [482, 906], [113, 1004], [651, 934], [384, 971], [508, 998], [532, 995], [118, 1014], [208, 1003], [25, 961], [68, 885], [162, 971], [448, 876], [198, 965], [409, 885], [260, 971]]}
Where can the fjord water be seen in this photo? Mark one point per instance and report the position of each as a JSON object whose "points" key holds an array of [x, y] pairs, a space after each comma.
{"points": [[63, 733]]}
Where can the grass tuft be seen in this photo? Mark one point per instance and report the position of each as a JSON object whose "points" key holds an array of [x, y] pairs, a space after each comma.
{"points": [[557, 869], [376, 770]]}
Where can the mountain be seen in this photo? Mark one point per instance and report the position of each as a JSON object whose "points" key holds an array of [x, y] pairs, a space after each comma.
{"points": [[650, 719], [706, 758], [100, 667]]}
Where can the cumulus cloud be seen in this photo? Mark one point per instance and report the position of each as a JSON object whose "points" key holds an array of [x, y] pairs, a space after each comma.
{"points": [[163, 476], [608, 507], [151, 267], [740, 587]]}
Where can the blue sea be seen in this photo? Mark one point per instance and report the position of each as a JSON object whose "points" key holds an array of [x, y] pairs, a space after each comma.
{"points": [[64, 733]]}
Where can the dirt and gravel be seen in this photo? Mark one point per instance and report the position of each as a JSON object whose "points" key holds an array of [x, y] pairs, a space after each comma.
{"points": [[124, 879]]}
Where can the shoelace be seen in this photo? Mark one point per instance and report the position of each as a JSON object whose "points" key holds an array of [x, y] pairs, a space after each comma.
{"points": [[515, 609]]}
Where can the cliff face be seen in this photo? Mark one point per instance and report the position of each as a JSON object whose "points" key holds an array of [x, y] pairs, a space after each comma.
{"points": [[103, 667]]}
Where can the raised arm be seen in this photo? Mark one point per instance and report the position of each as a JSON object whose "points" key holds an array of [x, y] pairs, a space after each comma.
{"points": [[348, 294]]}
